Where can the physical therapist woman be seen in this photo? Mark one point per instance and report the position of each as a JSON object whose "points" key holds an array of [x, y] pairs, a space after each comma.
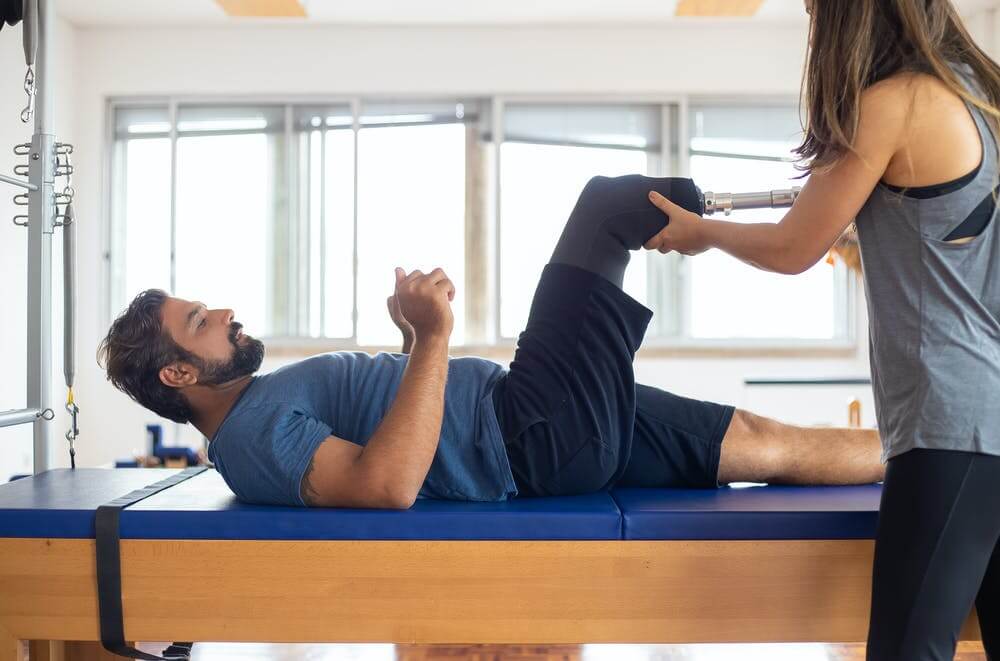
{"points": [[901, 139]]}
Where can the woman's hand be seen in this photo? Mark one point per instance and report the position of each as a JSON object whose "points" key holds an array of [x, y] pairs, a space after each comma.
{"points": [[684, 233]]}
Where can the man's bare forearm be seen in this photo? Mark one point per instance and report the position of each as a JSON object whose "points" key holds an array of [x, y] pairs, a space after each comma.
{"points": [[400, 452]]}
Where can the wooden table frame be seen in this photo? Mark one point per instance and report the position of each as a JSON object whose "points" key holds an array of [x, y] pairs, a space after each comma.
{"points": [[440, 592]]}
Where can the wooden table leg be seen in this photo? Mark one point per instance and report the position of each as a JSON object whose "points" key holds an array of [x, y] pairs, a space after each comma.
{"points": [[12, 649], [47, 650], [87, 650]]}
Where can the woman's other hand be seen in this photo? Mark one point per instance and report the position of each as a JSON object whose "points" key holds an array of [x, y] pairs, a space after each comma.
{"points": [[683, 233]]}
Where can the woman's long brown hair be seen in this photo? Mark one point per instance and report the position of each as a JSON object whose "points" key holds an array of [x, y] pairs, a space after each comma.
{"points": [[857, 43]]}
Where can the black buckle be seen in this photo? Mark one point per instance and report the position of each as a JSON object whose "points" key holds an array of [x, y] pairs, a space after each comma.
{"points": [[178, 651]]}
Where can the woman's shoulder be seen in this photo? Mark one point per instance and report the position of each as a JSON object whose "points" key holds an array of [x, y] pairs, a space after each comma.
{"points": [[899, 88], [907, 89], [913, 114], [907, 101], [884, 109]]}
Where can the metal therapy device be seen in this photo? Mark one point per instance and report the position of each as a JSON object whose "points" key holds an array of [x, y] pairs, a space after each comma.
{"points": [[712, 203], [683, 192]]}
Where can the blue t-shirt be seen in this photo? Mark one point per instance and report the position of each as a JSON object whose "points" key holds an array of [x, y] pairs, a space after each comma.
{"points": [[268, 438]]}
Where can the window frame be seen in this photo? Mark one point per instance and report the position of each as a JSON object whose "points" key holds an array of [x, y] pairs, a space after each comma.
{"points": [[667, 277], [846, 286]]}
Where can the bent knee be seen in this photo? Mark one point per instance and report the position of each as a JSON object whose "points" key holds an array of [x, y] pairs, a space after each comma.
{"points": [[596, 187], [601, 185], [752, 450]]}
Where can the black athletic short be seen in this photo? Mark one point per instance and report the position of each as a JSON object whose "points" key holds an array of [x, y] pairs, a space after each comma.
{"points": [[574, 420]]}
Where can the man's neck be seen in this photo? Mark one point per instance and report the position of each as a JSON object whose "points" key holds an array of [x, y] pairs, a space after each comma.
{"points": [[211, 404]]}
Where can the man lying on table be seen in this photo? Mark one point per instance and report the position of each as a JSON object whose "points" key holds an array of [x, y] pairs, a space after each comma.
{"points": [[347, 429]]}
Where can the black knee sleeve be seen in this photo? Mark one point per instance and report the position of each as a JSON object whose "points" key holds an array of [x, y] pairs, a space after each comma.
{"points": [[614, 216]]}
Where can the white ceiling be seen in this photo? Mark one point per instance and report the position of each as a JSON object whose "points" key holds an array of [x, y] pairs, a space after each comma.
{"points": [[388, 12], [92, 13]]}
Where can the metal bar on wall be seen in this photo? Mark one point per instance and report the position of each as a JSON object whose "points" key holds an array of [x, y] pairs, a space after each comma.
{"points": [[41, 215], [17, 182], [18, 417]]}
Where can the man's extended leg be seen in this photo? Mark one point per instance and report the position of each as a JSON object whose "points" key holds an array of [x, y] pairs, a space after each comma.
{"points": [[759, 449], [682, 442]]}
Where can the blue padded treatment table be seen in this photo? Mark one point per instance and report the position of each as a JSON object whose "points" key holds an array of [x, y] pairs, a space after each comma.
{"points": [[753, 512], [61, 503], [752, 564]]}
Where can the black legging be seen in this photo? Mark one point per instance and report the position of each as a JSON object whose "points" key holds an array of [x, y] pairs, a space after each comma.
{"points": [[936, 551], [613, 216]]}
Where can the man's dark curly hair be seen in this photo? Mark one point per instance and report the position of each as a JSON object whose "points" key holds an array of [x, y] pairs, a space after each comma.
{"points": [[134, 351]]}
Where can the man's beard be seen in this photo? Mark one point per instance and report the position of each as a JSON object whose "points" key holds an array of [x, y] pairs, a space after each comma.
{"points": [[246, 360]]}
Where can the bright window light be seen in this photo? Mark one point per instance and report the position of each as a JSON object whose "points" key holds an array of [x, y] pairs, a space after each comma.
{"points": [[149, 127], [287, 233], [339, 120], [339, 233], [396, 119], [730, 299], [147, 216], [411, 214], [247, 124], [224, 193], [539, 186], [765, 148]]}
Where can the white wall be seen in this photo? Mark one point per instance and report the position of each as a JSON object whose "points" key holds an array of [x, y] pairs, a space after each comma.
{"points": [[282, 61], [984, 26], [13, 245]]}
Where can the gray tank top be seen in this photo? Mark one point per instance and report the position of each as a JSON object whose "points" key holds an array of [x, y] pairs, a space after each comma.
{"points": [[934, 312]]}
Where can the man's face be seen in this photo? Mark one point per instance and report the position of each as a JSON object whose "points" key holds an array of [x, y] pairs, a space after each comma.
{"points": [[222, 350]]}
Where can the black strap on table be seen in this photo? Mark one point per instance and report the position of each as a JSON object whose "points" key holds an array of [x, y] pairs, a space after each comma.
{"points": [[109, 571]]}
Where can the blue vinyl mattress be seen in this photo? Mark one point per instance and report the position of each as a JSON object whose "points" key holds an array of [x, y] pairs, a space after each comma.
{"points": [[752, 512], [61, 503]]}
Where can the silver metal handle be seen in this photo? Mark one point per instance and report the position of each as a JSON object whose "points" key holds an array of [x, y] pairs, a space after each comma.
{"points": [[18, 182], [22, 416], [728, 202]]}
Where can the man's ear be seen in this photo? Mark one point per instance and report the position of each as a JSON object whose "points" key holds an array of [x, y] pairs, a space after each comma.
{"points": [[178, 375]]}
